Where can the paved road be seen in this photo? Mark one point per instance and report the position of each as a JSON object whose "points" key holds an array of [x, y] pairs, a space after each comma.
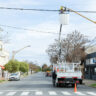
{"points": [[39, 85]]}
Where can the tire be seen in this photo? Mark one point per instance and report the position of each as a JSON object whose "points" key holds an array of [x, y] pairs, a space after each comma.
{"points": [[80, 81], [66, 85], [57, 85], [73, 85]]}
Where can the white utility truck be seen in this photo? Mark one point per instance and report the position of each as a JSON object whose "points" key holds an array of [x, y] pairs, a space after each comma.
{"points": [[67, 74]]}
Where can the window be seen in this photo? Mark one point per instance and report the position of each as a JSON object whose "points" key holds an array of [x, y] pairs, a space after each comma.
{"points": [[87, 61], [94, 70], [91, 60], [94, 60], [87, 70]]}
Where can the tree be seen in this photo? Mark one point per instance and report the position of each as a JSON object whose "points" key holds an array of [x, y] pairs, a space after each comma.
{"points": [[12, 66], [72, 48], [53, 52], [34, 67], [44, 67], [24, 67]]}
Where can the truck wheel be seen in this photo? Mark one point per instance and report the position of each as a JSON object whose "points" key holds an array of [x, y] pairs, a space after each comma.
{"points": [[73, 85], [80, 81]]}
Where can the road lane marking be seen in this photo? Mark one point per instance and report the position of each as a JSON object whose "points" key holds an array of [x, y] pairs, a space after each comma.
{"points": [[11, 93], [92, 93], [79, 93], [66, 93], [24, 93], [52, 93], [18, 90], [38, 93]]}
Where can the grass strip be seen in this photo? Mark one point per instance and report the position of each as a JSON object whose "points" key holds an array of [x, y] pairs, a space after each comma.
{"points": [[93, 85]]}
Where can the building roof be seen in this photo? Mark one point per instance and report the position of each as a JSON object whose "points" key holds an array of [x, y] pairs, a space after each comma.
{"points": [[91, 49]]}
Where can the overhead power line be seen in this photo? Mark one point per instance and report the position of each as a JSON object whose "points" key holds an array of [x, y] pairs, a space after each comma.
{"points": [[46, 10], [27, 9], [20, 28]]}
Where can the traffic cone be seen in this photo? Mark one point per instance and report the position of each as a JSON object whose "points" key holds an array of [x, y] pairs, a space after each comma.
{"points": [[75, 88]]}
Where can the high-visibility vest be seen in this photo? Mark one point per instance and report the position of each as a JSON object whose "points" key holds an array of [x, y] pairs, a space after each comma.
{"points": [[57, 69]]}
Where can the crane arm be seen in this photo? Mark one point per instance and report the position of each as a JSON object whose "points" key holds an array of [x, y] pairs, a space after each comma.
{"points": [[79, 14], [83, 16]]}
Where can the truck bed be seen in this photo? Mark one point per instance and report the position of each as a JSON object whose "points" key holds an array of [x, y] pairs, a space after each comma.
{"points": [[69, 75]]}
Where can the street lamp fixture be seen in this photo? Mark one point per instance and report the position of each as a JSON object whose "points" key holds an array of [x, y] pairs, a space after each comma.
{"points": [[15, 52]]}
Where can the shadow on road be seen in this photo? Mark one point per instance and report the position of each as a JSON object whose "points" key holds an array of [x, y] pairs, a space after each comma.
{"points": [[32, 86]]}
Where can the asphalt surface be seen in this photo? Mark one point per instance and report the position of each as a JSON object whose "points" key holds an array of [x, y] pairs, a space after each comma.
{"points": [[39, 85]]}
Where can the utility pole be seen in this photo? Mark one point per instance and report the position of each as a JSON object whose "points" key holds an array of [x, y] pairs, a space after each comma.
{"points": [[60, 43], [15, 52], [64, 19]]}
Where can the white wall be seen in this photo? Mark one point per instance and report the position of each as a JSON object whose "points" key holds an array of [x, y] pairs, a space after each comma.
{"points": [[4, 57]]}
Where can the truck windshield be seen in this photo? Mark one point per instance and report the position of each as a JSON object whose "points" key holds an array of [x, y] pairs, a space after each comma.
{"points": [[14, 74]]}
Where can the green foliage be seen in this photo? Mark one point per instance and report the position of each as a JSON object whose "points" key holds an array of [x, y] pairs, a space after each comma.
{"points": [[93, 85], [46, 68], [24, 67], [34, 67], [2, 81], [38, 69], [13, 66]]}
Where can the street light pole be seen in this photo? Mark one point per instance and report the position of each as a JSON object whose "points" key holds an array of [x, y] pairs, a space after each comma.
{"points": [[15, 52]]}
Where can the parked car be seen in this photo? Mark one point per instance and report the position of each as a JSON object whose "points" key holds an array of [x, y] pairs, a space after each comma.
{"points": [[14, 76]]}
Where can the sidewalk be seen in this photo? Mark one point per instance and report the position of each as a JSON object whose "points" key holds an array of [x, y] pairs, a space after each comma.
{"points": [[89, 82]]}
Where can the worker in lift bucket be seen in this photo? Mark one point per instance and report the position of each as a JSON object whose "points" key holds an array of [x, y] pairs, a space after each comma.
{"points": [[54, 75]]}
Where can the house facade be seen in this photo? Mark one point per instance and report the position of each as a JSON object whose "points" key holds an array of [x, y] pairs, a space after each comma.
{"points": [[90, 63], [4, 58]]}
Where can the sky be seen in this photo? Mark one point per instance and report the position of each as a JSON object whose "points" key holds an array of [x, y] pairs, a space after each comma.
{"points": [[44, 22]]}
